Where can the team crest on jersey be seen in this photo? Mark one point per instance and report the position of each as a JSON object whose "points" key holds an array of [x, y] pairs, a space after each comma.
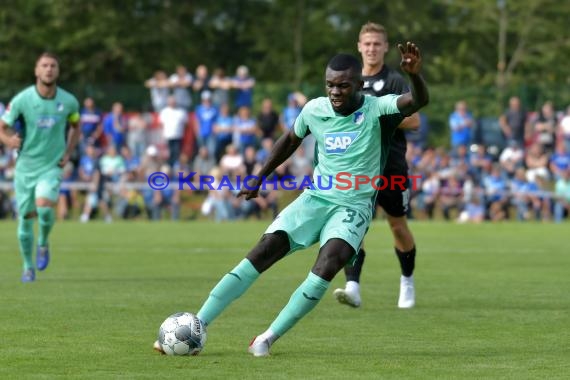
{"points": [[358, 117], [59, 107], [339, 142], [378, 85]]}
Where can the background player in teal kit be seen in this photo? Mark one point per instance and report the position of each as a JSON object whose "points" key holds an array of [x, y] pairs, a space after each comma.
{"points": [[45, 112], [350, 138]]}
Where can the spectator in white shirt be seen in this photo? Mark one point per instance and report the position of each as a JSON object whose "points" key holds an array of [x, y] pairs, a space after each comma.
{"points": [[511, 158], [173, 121]]}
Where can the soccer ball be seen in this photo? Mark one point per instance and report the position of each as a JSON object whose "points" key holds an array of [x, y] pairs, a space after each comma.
{"points": [[182, 334]]}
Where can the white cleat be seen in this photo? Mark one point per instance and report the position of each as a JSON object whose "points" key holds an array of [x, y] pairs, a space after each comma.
{"points": [[259, 348], [407, 298], [347, 297]]}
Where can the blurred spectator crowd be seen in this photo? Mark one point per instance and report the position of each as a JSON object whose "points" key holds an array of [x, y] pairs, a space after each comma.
{"points": [[200, 123], [514, 166], [517, 167]]}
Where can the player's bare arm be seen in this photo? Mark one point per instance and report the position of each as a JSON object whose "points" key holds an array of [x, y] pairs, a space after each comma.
{"points": [[411, 64], [411, 122], [282, 150], [8, 137], [72, 140]]}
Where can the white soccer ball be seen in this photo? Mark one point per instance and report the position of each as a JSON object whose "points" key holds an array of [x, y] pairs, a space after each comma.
{"points": [[182, 334]]}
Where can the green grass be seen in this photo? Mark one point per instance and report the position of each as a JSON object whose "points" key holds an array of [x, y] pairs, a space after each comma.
{"points": [[493, 302]]}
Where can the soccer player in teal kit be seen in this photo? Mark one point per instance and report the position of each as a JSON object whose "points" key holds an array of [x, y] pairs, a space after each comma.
{"points": [[350, 138], [44, 112]]}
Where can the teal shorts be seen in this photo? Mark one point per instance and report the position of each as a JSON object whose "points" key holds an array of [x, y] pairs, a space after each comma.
{"points": [[309, 219], [30, 188]]}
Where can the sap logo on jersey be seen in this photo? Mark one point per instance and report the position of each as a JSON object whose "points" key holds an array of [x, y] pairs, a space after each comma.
{"points": [[338, 142], [46, 121]]}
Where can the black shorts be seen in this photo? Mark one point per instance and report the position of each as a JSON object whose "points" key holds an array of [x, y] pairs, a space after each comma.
{"points": [[395, 200]]}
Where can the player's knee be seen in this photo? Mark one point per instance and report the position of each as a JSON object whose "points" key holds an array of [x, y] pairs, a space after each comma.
{"points": [[44, 202], [332, 258], [399, 231], [45, 215], [402, 235], [270, 249], [30, 215], [399, 227], [327, 266]]}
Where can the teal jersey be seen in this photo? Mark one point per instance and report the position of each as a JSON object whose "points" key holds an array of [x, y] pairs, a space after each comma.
{"points": [[348, 146], [43, 127]]}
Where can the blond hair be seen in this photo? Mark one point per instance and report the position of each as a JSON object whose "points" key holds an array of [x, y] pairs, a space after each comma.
{"points": [[372, 27]]}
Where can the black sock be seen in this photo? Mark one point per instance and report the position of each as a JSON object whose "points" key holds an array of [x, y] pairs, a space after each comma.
{"points": [[407, 261], [352, 272]]}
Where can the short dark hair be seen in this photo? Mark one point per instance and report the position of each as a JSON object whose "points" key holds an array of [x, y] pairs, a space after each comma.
{"points": [[48, 54], [342, 62]]}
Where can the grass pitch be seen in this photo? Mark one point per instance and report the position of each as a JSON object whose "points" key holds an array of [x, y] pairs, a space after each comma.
{"points": [[493, 301]]}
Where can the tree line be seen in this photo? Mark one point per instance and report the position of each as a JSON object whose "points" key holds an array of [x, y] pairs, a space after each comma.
{"points": [[477, 49]]}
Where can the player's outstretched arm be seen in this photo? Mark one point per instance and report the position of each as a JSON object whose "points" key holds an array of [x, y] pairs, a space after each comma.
{"points": [[8, 137], [282, 150], [411, 64]]}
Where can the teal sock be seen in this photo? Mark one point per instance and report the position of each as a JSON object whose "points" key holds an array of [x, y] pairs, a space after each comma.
{"points": [[230, 287], [26, 240], [46, 220], [303, 300]]}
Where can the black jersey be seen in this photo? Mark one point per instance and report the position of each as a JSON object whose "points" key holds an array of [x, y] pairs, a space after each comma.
{"points": [[389, 81]]}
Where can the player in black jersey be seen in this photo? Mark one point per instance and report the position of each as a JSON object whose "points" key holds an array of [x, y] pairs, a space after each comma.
{"points": [[380, 80]]}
